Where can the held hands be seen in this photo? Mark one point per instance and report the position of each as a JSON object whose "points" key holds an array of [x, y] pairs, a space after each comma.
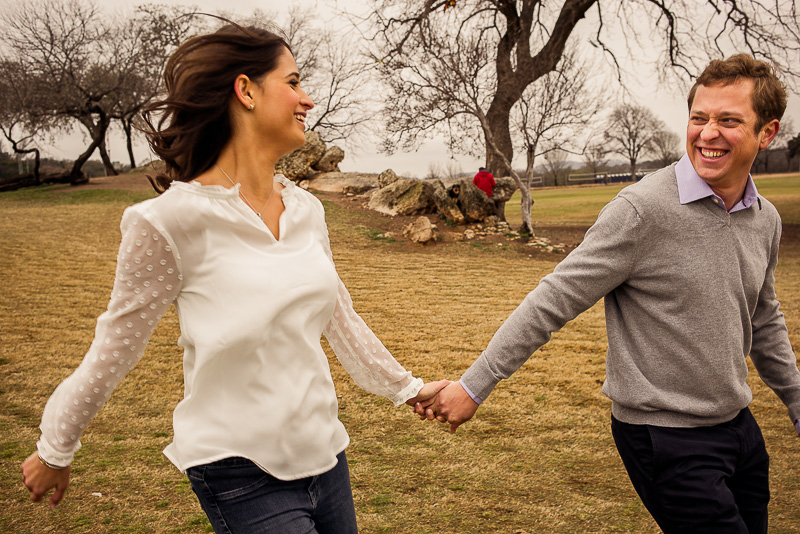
{"points": [[39, 479], [428, 392], [451, 404]]}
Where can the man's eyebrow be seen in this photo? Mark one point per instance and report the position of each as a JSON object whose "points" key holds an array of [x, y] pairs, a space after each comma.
{"points": [[295, 74]]}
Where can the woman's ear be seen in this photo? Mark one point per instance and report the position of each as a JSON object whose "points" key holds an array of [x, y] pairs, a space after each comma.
{"points": [[243, 87]]}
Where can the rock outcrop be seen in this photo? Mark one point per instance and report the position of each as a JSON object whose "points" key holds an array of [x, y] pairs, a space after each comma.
{"points": [[445, 205], [330, 160], [387, 177], [403, 197], [421, 231], [342, 182], [310, 159]]}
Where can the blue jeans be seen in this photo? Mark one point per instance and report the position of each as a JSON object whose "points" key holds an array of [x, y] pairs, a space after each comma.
{"points": [[238, 497]]}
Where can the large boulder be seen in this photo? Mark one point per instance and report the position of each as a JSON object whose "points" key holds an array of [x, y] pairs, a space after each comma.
{"points": [[330, 160], [387, 177], [473, 202], [298, 165], [445, 205], [504, 189], [421, 231], [343, 182], [403, 197]]}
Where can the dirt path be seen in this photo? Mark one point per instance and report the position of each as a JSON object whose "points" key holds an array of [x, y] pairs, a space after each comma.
{"points": [[125, 182]]}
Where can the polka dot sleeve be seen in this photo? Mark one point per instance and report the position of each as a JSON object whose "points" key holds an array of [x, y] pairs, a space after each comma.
{"points": [[147, 280], [362, 354]]}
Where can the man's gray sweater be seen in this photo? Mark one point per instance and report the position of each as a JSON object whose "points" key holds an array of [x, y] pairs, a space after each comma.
{"points": [[689, 293]]}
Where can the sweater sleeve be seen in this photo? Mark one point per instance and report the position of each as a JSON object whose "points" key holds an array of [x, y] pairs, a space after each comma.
{"points": [[603, 261], [147, 280], [771, 350], [360, 351]]}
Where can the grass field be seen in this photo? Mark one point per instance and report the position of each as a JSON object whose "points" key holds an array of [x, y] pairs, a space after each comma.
{"points": [[538, 457]]}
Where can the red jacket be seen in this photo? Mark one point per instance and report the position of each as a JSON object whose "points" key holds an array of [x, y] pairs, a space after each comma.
{"points": [[485, 182]]}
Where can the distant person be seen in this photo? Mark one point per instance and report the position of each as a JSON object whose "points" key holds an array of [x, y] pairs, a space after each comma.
{"points": [[484, 181], [244, 255], [685, 260]]}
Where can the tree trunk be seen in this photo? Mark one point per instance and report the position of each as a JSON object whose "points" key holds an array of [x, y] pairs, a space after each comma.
{"points": [[633, 170], [498, 118], [97, 131], [106, 159], [126, 125]]}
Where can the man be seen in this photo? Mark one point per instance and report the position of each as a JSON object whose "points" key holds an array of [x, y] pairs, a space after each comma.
{"points": [[484, 181], [685, 260]]}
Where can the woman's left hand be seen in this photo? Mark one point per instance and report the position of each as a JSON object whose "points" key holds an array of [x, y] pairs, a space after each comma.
{"points": [[427, 395], [39, 479]]}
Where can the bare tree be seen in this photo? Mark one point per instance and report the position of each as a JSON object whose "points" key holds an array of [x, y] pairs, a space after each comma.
{"points": [[453, 168], [595, 155], [19, 122], [520, 41], [548, 117], [145, 41], [67, 43], [630, 132], [557, 167], [665, 146]]}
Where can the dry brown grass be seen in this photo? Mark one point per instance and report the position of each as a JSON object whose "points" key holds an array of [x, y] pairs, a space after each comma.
{"points": [[537, 458]]}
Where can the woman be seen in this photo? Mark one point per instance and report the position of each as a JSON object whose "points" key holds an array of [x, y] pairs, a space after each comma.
{"points": [[245, 257]]}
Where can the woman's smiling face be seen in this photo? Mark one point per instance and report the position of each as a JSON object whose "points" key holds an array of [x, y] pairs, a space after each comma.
{"points": [[281, 105]]}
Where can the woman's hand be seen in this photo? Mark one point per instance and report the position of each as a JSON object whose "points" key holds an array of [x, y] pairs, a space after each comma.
{"points": [[39, 479], [426, 396]]}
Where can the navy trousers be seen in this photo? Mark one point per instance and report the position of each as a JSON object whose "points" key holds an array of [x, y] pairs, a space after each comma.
{"points": [[699, 480]]}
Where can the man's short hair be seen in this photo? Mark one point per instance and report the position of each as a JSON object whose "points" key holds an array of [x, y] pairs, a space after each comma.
{"points": [[769, 94], [482, 169]]}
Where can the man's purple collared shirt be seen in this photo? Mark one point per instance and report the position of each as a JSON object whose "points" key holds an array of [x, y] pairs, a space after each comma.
{"points": [[692, 188]]}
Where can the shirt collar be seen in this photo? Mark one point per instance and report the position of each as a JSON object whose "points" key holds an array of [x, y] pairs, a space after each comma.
{"points": [[692, 188]]}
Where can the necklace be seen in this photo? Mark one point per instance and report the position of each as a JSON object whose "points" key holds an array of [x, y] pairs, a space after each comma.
{"points": [[258, 212]]}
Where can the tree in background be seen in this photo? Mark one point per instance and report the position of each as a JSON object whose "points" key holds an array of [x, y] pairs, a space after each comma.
{"points": [[461, 70], [19, 122], [547, 118], [630, 132], [69, 44], [596, 156], [665, 146], [147, 39], [557, 167]]}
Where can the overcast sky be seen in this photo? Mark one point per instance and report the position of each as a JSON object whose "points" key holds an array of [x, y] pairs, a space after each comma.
{"points": [[669, 104]]}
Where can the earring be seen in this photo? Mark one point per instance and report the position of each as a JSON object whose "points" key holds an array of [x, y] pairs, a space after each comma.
{"points": [[252, 106]]}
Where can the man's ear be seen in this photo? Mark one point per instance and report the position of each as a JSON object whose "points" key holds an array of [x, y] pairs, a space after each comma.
{"points": [[768, 133]]}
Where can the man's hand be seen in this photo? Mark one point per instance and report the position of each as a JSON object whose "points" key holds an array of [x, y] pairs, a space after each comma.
{"points": [[427, 394], [39, 479], [452, 405]]}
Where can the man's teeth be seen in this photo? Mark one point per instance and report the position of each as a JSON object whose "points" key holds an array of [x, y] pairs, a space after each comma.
{"points": [[300, 118], [712, 153]]}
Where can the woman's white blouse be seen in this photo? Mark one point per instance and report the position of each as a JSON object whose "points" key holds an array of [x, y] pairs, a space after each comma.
{"points": [[252, 309]]}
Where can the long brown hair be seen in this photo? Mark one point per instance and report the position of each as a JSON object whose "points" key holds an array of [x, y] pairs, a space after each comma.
{"points": [[193, 122]]}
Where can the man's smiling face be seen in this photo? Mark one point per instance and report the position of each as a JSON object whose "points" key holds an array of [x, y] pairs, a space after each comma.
{"points": [[721, 139]]}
